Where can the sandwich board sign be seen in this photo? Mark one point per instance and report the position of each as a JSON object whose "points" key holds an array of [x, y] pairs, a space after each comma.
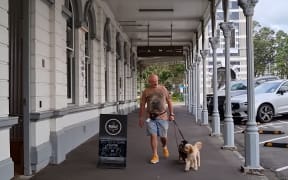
{"points": [[112, 141]]}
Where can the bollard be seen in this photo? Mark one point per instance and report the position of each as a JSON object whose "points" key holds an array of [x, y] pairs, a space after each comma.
{"points": [[272, 144]]}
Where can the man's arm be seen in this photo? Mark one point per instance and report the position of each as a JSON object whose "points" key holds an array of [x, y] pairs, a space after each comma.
{"points": [[142, 109], [171, 114]]}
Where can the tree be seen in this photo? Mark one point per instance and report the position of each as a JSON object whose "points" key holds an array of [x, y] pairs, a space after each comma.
{"points": [[169, 75], [281, 57], [264, 48]]}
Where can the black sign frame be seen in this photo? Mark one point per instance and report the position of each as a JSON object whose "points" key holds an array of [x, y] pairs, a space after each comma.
{"points": [[112, 141]]}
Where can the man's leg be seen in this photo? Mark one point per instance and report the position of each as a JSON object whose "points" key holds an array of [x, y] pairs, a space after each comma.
{"points": [[164, 141], [154, 143], [163, 137]]}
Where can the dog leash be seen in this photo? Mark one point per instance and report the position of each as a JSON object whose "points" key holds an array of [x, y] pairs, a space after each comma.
{"points": [[176, 125], [180, 132]]}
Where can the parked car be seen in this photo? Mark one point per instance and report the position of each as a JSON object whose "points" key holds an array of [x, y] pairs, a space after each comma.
{"points": [[271, 99], [238, 87]]}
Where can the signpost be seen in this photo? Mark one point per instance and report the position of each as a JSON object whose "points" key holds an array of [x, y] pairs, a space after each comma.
{"points": [[112, 141]]}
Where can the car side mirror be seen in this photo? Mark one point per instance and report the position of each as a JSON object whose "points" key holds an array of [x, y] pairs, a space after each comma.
{"points": [[282, 91]]}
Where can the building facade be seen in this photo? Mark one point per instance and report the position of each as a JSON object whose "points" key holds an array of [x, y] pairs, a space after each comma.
{"points": [[237, 47], [63, 63]]}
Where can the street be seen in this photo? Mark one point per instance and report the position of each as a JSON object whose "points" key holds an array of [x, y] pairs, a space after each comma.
{"points": [[273, 158]]}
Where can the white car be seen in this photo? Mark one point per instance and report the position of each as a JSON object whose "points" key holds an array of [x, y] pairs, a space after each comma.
{"points": [[271, 99]]}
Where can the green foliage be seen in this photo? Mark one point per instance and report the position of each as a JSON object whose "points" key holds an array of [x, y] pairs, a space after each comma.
{"points": [[281, 57], [169, 75], [270, 48], [264, 48], [178, 97]]}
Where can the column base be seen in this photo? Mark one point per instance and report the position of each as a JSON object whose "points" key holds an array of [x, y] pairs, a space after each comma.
{"points": [[204, 118], [199, 113], [252, 170], [215, 134], [231, 148]]}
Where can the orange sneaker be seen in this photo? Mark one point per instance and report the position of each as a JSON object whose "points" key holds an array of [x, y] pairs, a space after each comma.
{"points": [[165, 152], [155, 159]]}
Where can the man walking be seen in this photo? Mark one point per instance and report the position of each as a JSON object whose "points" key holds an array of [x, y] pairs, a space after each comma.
{"points": [[157, 118]]}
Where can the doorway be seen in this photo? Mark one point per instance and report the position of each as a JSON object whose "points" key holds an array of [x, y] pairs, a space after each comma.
{"points": [[16, 100]]}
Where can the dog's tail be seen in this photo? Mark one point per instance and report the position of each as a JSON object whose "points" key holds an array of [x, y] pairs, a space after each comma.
{"points": [[198, 144]]}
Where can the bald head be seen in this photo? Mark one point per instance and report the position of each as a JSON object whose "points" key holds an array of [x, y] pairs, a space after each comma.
{"points": [[153, 80]]}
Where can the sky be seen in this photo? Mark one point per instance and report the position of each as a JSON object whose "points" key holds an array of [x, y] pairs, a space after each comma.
{"points": [[272, 13]]}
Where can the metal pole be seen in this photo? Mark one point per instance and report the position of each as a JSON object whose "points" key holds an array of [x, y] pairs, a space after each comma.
{"points": [[185, 81], [185, 89], [194, 92], [214, 41], [191, 88], [226, 27], [252, 155], [199, 109], [204, 54]]}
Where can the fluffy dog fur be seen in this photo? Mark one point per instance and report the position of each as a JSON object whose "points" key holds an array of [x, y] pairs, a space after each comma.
{"points": [[193, 156], [182, 153]]}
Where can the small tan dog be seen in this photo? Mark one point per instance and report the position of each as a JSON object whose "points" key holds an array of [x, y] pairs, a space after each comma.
{"points": [[193, 156]]}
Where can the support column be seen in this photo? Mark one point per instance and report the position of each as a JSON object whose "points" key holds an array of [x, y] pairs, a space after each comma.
{"points": [[214, 41], [185, 88], [185, 83], [189, 90], [199, 109], [252, 155], [204, 54], [194, 90], [226, 27]]}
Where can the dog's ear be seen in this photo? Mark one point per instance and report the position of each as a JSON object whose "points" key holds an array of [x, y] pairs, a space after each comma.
{"points": [[190, 149], [198, 145]]}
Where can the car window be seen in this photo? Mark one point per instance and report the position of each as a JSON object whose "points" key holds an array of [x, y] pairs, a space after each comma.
{"points": [[284, 87], [238, 86], [267, 87]]}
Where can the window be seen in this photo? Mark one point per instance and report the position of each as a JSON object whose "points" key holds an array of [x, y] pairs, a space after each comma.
{"points": [[233, 63], [70, 24], [233, 39], [132, 62], [125, 67], [234, 15], [107, 48], [219, 16], [87, 64], [233, 5]]}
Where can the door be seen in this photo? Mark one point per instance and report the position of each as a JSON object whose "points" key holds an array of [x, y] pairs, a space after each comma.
{"points": [[16, 82]]}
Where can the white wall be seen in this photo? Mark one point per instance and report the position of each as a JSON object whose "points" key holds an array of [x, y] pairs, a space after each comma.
{"points": [[4, 58], [4, 75], [4, 139]]}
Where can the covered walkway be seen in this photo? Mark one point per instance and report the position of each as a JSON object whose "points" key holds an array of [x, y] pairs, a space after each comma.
{"points": [[216, 164]]}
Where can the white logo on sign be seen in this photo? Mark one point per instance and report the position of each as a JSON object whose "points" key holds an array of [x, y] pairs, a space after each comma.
{"points": [[113, 127]]}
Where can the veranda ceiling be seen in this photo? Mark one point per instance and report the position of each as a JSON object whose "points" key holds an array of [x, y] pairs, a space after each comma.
{"points": [[160, 22]]}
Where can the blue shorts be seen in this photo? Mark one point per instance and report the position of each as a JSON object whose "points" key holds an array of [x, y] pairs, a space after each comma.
{"points": [[157, 127]]}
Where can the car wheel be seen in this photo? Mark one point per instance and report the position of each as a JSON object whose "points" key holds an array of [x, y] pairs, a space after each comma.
{"points": [[265, 113]]}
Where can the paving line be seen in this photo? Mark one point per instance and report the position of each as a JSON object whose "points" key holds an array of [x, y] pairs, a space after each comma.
{"points": [[274, 139], [272, 124], [238, 132], [281, 169]]}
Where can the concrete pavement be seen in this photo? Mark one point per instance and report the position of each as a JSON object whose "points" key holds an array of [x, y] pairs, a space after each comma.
{"points": [[216, 164]]}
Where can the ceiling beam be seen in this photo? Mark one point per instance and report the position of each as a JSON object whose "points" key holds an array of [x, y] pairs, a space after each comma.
{"points": [[197, 19], [162, 40], [160, 30], [151, 51]]}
